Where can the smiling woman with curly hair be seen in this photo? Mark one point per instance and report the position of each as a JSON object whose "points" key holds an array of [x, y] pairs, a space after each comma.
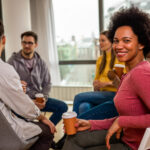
{"points": [[129, 30]]}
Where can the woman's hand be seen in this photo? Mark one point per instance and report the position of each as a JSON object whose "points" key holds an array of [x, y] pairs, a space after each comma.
{"points": [[115, 128], [114, 77], [82, 125], [116, 82], [111, 74], [97, 85]]}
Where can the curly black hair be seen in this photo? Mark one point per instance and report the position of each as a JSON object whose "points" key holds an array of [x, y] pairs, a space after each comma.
{"points": [[138, 20]]}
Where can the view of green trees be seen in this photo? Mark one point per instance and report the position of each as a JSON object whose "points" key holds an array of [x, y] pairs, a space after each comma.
{"points": [[66, 52]]}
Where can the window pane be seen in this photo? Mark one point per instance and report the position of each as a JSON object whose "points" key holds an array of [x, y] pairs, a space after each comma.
{"points": [[82, 75], [77, 33], [110, 8], [76, 24]]}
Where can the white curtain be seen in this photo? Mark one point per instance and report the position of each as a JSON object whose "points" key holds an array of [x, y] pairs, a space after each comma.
{"points": [[42, 22], [16, 19]]}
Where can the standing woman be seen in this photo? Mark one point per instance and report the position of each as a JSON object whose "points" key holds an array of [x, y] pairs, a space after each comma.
{"points": [[104, 90], [130, 32]]}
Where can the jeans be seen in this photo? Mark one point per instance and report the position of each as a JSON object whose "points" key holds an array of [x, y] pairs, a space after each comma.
{"points": [[93, 140], [100, 112], [85, 106], [95, 105], [57, 107]]}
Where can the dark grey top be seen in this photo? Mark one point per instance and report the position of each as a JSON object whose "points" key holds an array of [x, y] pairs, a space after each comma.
{"points": [[38, 80]]}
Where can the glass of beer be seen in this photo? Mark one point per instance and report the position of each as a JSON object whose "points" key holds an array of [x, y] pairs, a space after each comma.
{"points": [[119, 69], [39, 97]]}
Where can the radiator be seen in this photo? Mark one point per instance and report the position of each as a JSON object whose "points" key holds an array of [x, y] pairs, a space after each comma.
{"points": [[67, 93]]}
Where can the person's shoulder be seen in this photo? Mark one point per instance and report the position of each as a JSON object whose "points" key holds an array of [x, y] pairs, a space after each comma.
{"points": [[14, 56], [139, 75], [142, 69], [8, 75], [37, 56], [142, 66], [99, 59], [39, 59], [7, 70]]}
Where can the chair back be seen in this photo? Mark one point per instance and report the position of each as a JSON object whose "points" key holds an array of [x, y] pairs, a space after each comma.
{"points": [[9, 139]]}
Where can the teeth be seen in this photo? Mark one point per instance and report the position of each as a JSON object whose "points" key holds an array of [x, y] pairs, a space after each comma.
{"points": [[121, 52]]}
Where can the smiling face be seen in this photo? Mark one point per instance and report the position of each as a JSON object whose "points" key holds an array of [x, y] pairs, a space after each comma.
{"points": [[105, 44], [126, 45]]}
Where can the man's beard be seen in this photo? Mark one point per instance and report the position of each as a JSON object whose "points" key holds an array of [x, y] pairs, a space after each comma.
{"points": [[27, 53]]}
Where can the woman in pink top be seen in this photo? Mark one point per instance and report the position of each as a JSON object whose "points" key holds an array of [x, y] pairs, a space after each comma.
{"points": [[129, 31]]}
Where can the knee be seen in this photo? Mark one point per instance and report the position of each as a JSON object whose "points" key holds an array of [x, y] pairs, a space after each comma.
{"points": [[46, 132], [50, 136], [78, 97], [84, 107], [63, 107]]}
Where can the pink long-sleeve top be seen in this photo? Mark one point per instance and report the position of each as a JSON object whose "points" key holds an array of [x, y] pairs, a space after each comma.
{"points": [[133, 105]]}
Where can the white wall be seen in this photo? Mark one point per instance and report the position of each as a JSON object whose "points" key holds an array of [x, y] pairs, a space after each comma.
{"points": [[17, 15], [16, 19]]}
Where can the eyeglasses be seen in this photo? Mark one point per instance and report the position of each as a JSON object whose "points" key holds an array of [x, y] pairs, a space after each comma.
{"points": [[27, 43]]}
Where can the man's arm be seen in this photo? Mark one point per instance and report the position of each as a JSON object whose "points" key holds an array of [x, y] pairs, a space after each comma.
{"points": [[13, 96], [46, 80], [15, 99], [44, 120]]}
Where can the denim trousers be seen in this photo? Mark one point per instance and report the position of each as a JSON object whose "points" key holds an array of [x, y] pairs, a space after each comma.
{"points": [[57, 107], [95, 105]]}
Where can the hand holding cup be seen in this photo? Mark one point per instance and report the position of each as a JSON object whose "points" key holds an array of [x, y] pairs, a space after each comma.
{"points": [[69, 119], [24, 85], [40, 100]]}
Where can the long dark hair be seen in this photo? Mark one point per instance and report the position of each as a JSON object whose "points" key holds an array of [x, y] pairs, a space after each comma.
{"points": [[103, 62]]}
